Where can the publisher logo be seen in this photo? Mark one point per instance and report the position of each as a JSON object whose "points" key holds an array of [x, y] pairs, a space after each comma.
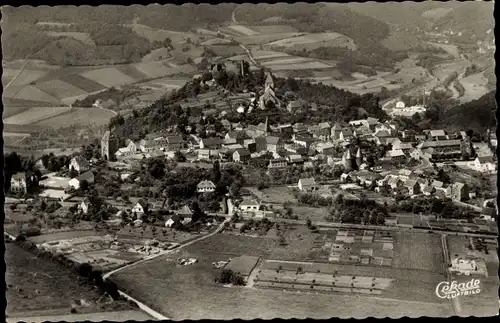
{"points": [[455, 289]]}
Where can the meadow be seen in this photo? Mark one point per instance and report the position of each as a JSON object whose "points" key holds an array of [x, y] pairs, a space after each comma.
{"points": [[33, 115], [313, 41], [83, 37], [418, 251], [77, 116]]}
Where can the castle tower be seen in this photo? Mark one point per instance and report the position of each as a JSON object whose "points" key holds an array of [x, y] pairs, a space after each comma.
{"points": [[359, 158], [109, 146], [348, 164]]}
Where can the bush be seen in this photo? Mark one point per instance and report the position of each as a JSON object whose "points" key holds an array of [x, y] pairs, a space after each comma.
{"points": [[227, 276]]}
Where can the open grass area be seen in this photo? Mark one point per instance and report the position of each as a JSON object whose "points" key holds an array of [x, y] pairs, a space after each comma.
{"points": [[299, 66], [418, 251], [119, 316], [64, 235], [82, 37], [313, 41], [475, 86], [266, 38]]}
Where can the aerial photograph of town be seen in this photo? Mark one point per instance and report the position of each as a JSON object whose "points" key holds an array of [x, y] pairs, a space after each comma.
{"points": [[250, 161]]}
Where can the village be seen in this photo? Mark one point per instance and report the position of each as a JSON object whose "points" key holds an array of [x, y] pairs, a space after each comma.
{"points": [[358, 187]]}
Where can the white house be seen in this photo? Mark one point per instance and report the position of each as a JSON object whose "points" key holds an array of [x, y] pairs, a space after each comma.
{"points": [[307, 184], [464, 265], [140, 208], [485, 164], [205, 186], [84, 206], [18, 183], [79, 164], [249, 205], [75, 182]]}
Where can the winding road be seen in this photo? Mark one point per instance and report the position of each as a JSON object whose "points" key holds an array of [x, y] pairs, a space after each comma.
{"points": [[141, 305]]}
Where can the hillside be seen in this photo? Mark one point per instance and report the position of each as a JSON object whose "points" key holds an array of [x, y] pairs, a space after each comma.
{"points": [[478, 115]]}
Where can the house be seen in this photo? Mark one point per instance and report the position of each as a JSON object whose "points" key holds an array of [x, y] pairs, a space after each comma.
{"points": [[147, 145], [465, 265], [238, 136], [140, 207], [204, 154], [185, 214], [84, 206], [412, 186], [394, 182], [278, 163], [175, 218], [174, 143], [211, 143], [321, 131], [205, 186], [249, 205], [293, 106], [414, 153], [241, 155], [459, 191], [295, 159], [250, 145], [77, 181], [391, 221], [437, 135], [345, 134], [19, 183], [303, 141], [397, 155], [405, 147], [485, 164], [226, 124], [79, 164], [274, 144], [325, 148], [428, 190], [307, 184]]}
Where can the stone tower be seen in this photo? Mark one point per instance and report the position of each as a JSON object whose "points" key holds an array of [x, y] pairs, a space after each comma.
{"points": [[348, 161], [109, 146], [359, 158]]}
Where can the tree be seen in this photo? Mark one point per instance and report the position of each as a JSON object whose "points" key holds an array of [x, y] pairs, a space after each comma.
{"points": [[179, 157], [216, 174]]}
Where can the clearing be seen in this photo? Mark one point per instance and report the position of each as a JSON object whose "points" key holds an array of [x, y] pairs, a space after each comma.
{"points": [[82, 37]]}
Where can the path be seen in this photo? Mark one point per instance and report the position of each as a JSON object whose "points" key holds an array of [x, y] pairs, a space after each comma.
{"points": [[17, 75], [141, 305], [233, 17], [454, 301]]}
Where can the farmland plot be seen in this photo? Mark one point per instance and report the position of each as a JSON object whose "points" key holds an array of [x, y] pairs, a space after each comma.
{"points": [[83, 37], [266, 38], [64, 236], [82, 82], [269, 29], [312, 41], [133, 72], [264, 54], [215, 41], [9, 111], [60, 89], [156, 55], [243, 30], [78, 116], [418, 251], [26, 76], [153, 34], [224, 50], [155, 69], [34, 115], [291, 60], [109, 77], [299, 66]]}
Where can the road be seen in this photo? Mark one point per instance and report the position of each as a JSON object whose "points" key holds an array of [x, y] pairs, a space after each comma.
{"points": [[143, 306], [17, 75], [454, 301], [233, 17]]}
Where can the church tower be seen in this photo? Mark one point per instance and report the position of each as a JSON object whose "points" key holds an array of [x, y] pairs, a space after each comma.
{"points": [[269, 83], [359, 158], [348, 162]]}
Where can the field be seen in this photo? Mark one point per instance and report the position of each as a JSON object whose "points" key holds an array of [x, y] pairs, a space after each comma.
{"points": [[153, 34], [64, 235], [34, 115], [265, 54], [277, 195], [243, 30], [192, 293], [298, 66], [418, 251], [133, 72], [57, 287], [109, 77], [26, 76], [266, 38], [30, 92], [227, 50], [285, 60], [270, 29], [83, 37], [78, 116], [436, 13], [121, 316], [313, 41], [60, 89]]}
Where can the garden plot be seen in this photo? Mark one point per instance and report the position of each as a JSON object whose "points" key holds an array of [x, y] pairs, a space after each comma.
{"points": [[82, 82], [109, 77], [78, 116], [418, 251], [34, 115], [60, 89], [83, 37]]}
